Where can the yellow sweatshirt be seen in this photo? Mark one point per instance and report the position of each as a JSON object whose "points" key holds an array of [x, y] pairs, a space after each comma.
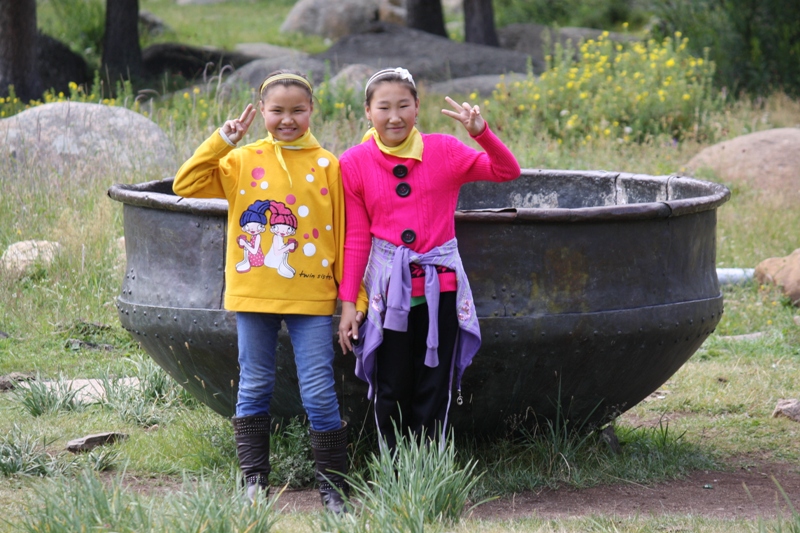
{"points": [[285, 234]]}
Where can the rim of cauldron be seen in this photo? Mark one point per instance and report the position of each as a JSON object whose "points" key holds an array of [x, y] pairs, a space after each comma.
{"points": [[143, 195]]}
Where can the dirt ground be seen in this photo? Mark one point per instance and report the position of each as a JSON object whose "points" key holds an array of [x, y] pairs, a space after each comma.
{"points": [[749, 492]]}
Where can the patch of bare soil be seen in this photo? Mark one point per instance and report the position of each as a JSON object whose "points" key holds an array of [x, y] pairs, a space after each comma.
{"points": [[748, 492]]}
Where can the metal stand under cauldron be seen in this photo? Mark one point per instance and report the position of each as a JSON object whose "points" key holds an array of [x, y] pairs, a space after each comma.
{"points": [[592, 289]]}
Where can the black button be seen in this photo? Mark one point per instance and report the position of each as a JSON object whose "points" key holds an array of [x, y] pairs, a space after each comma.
{"points": [[408, 236], [400, 171], [403, 189]]}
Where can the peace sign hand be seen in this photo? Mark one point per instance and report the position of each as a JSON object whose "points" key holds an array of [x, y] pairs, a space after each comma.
{"points": [[235, 129], [469, 116]]}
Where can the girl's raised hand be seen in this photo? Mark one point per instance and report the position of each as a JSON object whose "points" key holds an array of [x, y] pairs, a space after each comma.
{"points": [[235, 129], [468, 115]]}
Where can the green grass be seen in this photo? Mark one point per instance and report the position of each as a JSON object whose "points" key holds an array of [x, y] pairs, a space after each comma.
{"points": [[241, 21]]}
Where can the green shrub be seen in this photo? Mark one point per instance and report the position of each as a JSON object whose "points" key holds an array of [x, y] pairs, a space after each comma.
{"points": [[600, 14], [628, 92], [754, 43], [290, 455]]}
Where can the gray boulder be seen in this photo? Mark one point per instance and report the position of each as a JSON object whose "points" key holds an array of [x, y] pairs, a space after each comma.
{"points": [[191, 62], [269, 51], [252, 74], [58, 65], [353, 77], [20, 256], [483, 85], [765, 160], [65, 133], [342, 17], [428, 57]]}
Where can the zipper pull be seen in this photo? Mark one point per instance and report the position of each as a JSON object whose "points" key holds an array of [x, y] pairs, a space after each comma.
{"points": [[460, 399]]}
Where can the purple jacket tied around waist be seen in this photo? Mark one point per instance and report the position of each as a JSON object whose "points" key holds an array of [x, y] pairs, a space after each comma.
{"points": [[388, 284]]}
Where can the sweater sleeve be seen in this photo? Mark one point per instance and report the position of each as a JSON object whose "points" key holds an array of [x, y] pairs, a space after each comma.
{"points": [[339, 221], [205, 174], [358, 239], [495, 163]]}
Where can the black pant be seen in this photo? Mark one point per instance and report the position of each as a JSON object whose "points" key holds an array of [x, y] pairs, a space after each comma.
{"points": [[410, 394]]}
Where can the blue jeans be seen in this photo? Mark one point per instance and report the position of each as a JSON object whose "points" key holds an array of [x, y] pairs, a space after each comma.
{"points": [[312, 341]]}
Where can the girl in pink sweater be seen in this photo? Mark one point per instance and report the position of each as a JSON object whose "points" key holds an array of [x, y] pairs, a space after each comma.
{"points": [[401, 191]]}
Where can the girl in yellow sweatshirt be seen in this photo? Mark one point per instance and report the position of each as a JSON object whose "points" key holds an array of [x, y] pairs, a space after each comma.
{"points": [[285, 239]]}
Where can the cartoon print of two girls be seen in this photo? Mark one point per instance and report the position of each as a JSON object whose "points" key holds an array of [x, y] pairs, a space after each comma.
{"points": [[282, 224]]}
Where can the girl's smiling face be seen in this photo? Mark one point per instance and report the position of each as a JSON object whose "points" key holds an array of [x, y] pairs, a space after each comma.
{"points": [[393, 111], [287, 112]]}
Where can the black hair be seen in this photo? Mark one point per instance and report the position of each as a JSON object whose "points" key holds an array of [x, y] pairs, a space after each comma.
{"points": [[389, 77]]}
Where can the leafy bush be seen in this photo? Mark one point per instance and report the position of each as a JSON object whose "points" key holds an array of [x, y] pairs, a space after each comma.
{"points": [[600, 14], [86, 503], [628, 92], [290, 455], [754, 43]]}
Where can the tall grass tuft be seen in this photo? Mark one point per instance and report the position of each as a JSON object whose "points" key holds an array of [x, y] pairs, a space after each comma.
{"points": [[206, 506], [419, 487], [40, 397], [66, 505], [22, 454], [88, 503], [145, 402]]}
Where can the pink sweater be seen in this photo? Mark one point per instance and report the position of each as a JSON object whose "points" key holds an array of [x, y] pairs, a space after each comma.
{"points": [[373, 205]]}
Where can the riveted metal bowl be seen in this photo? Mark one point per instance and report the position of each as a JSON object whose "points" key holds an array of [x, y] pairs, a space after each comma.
{"points": [[592, 289]]}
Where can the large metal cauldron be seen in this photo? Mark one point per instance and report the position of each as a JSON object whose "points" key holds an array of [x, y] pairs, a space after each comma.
{"points": [[592, 289]]}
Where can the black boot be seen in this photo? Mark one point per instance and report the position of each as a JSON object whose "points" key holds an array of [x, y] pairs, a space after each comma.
{"points": [[252, 447], [330, 456]]}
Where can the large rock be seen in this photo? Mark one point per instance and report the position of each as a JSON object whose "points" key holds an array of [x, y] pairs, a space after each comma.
{"points": [[342, 17], [19, 257], [353, 77], [254, 73], [269, 51], [428, 57], [766, 160], [81, 135], [191, 62], [784, 272], [483, 85], [58, 65]]}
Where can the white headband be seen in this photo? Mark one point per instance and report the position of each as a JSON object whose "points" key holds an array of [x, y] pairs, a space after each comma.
{"points": [[403, 73]]}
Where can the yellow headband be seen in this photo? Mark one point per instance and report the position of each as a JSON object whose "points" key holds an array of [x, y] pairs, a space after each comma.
{"points": [[278, 77]]}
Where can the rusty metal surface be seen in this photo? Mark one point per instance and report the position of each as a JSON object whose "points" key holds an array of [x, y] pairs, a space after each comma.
{"points": [[591, 288]]}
